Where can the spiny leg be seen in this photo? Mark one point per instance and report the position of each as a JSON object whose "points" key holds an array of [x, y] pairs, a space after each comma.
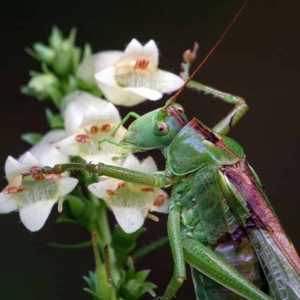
{"points": [[209, 263], [177, 252], [124, 120], [240, 106], [157, 179], [122, 145]]}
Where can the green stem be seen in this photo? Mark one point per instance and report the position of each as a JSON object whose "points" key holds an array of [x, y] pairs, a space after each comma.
{"points": [[101, 226], [108, 273]]}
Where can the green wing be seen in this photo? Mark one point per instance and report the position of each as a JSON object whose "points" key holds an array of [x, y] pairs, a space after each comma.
{"points": [[282, 275], [275, 251]]}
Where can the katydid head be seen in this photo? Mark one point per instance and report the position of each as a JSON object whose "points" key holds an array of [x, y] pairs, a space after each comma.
{"points": [[157, 128]]}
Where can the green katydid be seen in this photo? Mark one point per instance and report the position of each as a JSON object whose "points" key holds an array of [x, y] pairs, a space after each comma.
{"points": [[220, 220]]}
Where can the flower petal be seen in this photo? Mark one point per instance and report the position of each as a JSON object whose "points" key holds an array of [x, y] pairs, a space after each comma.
{"points": [[167, 82], [96, 63], [93, 116], [45, 150], [151, 52], [13, 170], [145, 92], [7, 203], [120, 96], [148, 165], [66, 185], [132, 163], [75, 105], [34, 215], [133, 51], [129, 218], [99, 188], [107, 76], [69, 146]]}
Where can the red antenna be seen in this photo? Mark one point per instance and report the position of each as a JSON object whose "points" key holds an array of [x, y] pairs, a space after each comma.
{"points": [[173, 99]]}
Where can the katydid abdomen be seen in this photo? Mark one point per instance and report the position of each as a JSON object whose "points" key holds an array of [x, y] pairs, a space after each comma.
{"points": [[206, 217]]}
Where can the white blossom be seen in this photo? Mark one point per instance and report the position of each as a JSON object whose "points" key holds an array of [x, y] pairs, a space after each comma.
{"points": [[34, 198], [128, 78], [89, 120], [131, 202]]}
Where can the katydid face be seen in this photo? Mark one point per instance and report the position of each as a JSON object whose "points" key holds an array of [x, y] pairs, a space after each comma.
{"points": [[156, 129]]}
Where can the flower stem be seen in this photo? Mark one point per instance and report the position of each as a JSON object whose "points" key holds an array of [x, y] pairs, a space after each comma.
{"points": [[108, 273]]}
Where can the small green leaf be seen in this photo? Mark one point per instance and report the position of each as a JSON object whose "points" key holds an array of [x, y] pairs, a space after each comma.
{"points": [[142, 275], [151, 247], [73, 246], [55, 95], [62, 218], [43, 53], [92, 293], [87, 51], [56, 38], [72, 37], [72, 84], [54, 121], [76, 58], [31, 138]]}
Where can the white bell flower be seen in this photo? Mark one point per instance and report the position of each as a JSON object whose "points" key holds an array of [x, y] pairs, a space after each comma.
{"points": [[89, 120], [130, 77], [131, 202], [35, 197]]}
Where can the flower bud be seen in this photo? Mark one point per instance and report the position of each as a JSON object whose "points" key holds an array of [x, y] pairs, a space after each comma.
{"points": [[43, 53], [40, 85]]}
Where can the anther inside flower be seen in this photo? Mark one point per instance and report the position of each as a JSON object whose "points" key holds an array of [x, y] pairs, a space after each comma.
{"points": [[133, 74], [131, 202], [89, 120]]}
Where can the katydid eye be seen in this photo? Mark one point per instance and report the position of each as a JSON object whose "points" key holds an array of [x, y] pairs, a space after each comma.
{"points": [[179, 108], [161, 129]]}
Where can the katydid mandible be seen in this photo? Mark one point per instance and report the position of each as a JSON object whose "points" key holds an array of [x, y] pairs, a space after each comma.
{"points": [[220, 220]]}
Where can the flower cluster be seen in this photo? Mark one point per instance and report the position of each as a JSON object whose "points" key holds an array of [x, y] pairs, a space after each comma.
{"points": [[125, 78]]}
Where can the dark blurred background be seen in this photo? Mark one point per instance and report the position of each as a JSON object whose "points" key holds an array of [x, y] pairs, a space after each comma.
{"points": [[258, 59]]}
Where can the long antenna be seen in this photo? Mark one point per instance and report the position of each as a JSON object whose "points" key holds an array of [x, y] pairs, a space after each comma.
{"points": [[173, 99]]}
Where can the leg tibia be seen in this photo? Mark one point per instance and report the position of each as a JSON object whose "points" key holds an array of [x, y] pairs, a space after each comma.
{"points": [[224, 126], [124, 120]]}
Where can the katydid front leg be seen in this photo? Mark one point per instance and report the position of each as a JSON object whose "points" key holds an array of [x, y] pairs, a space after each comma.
{"points": [[158, 179], [124, 120], [240, 107]]}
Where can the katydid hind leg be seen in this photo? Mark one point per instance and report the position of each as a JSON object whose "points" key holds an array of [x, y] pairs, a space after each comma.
{"points": [[177, 252], [209, 263]]}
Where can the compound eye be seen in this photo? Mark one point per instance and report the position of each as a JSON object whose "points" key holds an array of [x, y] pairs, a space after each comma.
{"points": [[179, 108], [161, 129]]}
